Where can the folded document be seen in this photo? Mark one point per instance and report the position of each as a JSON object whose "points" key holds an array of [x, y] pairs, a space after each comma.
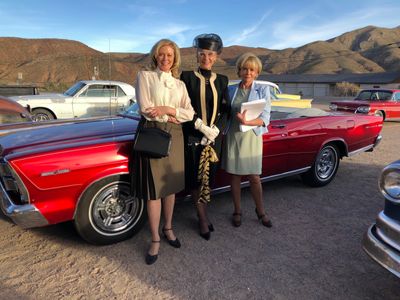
{"points": [[253, 111]]}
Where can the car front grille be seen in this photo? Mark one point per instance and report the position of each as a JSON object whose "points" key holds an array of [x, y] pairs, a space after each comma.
{"points": [[12, 184]]}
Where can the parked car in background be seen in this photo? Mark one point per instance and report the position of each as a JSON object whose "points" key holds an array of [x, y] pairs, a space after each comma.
{"points": [[78, 169], [13, 112], [91, 98], [18, 89], [280, 99], [380, 102], [382, 240]]}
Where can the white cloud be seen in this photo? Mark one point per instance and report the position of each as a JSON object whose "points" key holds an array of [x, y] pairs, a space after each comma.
{"points": [[248, 32], [293, 33]]}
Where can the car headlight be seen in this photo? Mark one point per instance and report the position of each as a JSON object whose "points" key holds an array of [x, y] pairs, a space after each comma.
{"points": [[363, 109], [333, 106], [389, 182]]}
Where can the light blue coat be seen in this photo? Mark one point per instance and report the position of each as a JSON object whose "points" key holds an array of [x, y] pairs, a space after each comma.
{"points": [[257, 92]]}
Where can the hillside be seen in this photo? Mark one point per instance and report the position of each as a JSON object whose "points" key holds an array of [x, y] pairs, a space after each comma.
{"points": [[57, 61]]}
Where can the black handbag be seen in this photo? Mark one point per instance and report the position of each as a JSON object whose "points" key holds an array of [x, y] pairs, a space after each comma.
{"points": [[152, 142]]}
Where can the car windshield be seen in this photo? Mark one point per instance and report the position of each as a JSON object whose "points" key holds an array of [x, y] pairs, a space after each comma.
{"points": [[279, 113], [131, 111], [374, 95], [74, 89]]}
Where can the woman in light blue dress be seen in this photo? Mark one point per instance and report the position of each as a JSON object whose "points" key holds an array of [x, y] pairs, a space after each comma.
{"points": [[243, 150]]}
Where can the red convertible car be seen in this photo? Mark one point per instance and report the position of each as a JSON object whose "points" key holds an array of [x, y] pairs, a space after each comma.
{"points": [[380, 102], [78, 169]]}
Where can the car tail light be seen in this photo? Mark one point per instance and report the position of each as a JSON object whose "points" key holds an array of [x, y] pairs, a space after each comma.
{"points": [[389, 182], [12, 184]]}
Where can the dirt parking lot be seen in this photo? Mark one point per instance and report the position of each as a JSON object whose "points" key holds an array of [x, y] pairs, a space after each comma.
{"points": [[312, 252]]}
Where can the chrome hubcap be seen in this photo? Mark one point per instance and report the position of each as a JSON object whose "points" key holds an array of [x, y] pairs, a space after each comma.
{"points": [[41, 117], [113, 209], [326, 163]]}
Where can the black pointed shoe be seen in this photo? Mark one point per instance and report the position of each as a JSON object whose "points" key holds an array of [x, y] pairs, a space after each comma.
{"points": [[174, 243], [205, 235], [151, 259], [237, 219], [267, 223]]}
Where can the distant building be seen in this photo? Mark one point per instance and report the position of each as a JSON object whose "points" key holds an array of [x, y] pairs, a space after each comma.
{"points": [[317, 85]]}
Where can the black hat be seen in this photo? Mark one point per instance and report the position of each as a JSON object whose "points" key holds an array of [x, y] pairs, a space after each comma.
{"points": [[208, 41]]}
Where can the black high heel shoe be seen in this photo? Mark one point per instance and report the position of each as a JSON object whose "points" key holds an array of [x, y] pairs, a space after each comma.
{"points": [[237, 219], [261, 218], [205, 235], [151, 259], [211, 227], [174, 243]]}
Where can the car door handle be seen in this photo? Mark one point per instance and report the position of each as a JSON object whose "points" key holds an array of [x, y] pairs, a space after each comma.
{"points": [[279, 126]]}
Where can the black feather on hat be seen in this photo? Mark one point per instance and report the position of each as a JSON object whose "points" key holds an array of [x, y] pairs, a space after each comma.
{"points": [[208, 41]]}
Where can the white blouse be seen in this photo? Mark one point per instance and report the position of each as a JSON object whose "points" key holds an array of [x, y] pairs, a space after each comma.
{"points": [[158, 88]]}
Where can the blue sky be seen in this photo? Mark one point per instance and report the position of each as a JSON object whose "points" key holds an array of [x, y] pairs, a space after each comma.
{"points": [[134, 26]]}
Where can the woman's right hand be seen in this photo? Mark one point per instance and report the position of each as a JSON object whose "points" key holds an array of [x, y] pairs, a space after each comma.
{"points": [[173, 120]]}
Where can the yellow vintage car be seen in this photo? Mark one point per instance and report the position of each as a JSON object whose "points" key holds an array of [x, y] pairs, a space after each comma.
{"points": [[280, 99]]}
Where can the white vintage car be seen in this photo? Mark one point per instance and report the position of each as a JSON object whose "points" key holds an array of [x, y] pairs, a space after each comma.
{"points": [[91, 98]]}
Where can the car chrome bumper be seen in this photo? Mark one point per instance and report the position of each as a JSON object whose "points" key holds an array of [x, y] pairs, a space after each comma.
{"points": [[385, 255], [378, 140], [26, 215]]}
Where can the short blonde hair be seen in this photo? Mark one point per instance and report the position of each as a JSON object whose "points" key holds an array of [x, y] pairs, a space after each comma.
{"points": [[177, 56], [248, 59]]}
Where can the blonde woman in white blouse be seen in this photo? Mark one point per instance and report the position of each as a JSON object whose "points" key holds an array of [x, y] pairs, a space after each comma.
{"points": [[164, 103]]}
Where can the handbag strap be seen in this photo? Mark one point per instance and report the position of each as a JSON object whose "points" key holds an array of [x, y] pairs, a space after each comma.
{"points": [[165, 129]]}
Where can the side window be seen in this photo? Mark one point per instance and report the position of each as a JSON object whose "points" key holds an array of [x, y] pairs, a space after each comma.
{"points": [[383, 95], [100, 91], [397, 96], [121, 92]]}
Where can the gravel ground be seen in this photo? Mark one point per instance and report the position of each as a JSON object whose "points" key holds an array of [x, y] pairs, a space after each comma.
{"points": [[312, 252]]}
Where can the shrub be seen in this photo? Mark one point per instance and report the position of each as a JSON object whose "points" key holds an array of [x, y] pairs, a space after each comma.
{"points": [[346, 89]]}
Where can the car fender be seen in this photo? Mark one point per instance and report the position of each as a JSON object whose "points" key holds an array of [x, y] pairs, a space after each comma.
{"points": [[339, 142]]}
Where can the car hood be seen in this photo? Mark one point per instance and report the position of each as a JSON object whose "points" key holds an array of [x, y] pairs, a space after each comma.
{"points": [[39, 97], [40, 137]]}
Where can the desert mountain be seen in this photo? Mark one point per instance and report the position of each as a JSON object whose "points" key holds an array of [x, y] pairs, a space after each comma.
{"points": [[54, 61]]}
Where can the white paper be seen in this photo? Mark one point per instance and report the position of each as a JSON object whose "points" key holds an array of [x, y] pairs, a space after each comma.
{"points": [[253, 111]]}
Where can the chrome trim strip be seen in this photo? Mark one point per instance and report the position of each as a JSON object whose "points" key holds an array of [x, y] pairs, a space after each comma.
{"points": [[26, 215], [263, 179], [384, 255], [363, 149], [388, 230]]}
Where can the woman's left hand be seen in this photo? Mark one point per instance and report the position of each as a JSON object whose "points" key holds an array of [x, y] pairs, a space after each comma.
{"points": [[241, 117], [156, 111]]}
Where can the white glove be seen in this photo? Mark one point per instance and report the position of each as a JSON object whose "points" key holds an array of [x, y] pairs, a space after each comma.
{"points": [[210, 132], [205, 141]]}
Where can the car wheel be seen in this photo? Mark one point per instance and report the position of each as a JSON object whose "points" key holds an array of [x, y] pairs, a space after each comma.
{"points": [[107, 213], [380, 113], [324, 168], [41, 114]]}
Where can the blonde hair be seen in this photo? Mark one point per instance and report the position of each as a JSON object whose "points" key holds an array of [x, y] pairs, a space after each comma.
{"points": [[248, 59], [177, 56]]}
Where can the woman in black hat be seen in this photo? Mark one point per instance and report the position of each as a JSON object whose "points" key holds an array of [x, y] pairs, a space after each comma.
{"points": [[209, 96]]}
